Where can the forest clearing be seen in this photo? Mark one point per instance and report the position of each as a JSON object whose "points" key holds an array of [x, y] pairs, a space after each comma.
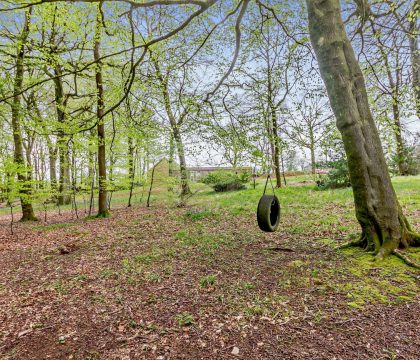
{"points": [[209, 179], [202, 281]]}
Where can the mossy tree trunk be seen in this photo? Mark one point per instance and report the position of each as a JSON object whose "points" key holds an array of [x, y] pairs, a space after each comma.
{"points": [[384, 226], [22, 170]]}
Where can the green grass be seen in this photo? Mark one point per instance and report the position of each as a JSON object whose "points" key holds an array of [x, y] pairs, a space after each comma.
{"points": [[243, 201]]}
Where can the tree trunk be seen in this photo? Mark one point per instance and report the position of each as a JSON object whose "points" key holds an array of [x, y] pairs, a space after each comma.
{"points": [[64, 197], [384, 227], [276, 150], [171, 155], [415, 55], [52, 155], [402, 167], [102, 206], [313, 159], [91, 158], [130, 168], [274, 140], [185, 188], [394, 85], [22, 171]]}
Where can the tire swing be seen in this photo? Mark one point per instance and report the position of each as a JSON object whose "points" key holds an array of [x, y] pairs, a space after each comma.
{"points": [[268, 211]]}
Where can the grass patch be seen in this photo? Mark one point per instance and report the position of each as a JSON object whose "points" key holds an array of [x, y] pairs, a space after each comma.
{"points": [[207, 281], [197, 215], [51, 227]]}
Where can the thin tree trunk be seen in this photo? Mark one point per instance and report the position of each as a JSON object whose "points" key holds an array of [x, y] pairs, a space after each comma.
{"points": [[22, 171], [276, 150], [52, 155], [415, 55], [131, 169], [151, 186], [64, 197], [402, 167], [393, 84], [185, 188], [384, 227], [282, 168], [171, 155], [313, 159], [91, 158], [102, 206]]}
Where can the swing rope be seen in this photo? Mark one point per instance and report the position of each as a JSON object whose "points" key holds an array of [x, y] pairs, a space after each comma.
{"points": [[271, 182]]}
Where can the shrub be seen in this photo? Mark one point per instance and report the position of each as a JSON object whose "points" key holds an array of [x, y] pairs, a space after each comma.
{"points": [[338, 175], [226, 181]]}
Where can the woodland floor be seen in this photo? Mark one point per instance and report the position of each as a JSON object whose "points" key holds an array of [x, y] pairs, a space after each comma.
{"points": [[202, 282]]}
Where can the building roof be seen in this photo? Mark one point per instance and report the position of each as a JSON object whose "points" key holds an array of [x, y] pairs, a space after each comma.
{"points": [[215, 168]]}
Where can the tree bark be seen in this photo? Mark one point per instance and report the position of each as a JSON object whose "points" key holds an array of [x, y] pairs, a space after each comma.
{"points": [[22, 171], [185, 188], [402, 166], [171, 155], [276, 150], [313, 159], [130, 168], [384, 226], [52, 155], [274, 140], [415, 55], [64, 196], [102, 206]]}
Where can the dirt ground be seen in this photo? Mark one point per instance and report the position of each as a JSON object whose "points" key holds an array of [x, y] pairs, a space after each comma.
{"points": [[171, 283]]}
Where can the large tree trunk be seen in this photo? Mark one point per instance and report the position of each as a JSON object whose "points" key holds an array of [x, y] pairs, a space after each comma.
{"points": [[102, 206], [22, 171], [384, 227]]}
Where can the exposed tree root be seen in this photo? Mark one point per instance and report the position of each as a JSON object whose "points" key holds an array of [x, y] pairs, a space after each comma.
{"points": [[362, 242], [405, 258], [359, 242]]}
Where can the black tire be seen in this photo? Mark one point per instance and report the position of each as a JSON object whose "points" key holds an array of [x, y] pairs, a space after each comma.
{"points": [[268, 213]]}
